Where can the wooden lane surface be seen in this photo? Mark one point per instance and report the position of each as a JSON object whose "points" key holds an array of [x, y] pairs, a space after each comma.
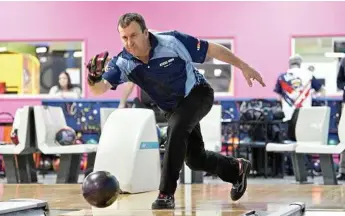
{"points": [[200, 199]]}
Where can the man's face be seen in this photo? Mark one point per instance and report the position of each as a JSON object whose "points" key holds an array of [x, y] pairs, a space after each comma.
{"points": [[133, 39]]}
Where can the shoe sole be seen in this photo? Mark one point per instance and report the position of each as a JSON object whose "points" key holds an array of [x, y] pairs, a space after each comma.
{"points": [[162, 208]]}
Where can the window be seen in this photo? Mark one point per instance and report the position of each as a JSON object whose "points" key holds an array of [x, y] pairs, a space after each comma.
{"points": [[321, 56], [219, 74], [33, 69]]}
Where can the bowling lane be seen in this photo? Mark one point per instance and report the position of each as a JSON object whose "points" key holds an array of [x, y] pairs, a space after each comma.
{"points": [[200, 199], [324, 213], [155, 213], [233, 212], [222, 212]]}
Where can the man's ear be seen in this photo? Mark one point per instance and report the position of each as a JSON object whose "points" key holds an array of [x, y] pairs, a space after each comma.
{"points": [[146, 33]]}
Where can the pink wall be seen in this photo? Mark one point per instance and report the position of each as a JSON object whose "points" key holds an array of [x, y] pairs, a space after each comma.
{"points": [[261, 30]]}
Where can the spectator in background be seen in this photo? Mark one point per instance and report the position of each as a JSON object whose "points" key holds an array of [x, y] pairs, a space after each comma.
{"points": [[295, 87], [341, 86], [65, 88]]}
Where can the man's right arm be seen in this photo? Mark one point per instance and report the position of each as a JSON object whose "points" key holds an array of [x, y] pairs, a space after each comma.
{"points": [[100, 87], [112, 77]]}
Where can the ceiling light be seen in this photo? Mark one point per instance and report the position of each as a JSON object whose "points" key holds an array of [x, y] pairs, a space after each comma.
{"points": [[41, 49], [217, 72], [334, 55], [77, 54]]}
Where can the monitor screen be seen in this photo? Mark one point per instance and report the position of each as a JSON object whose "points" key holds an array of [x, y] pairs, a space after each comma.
{"points": [[339, 46]]}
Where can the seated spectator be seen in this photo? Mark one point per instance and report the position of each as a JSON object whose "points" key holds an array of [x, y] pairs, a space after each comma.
{"points": [[65, 88]]}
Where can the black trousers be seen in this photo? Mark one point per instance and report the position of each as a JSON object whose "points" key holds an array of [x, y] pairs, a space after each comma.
{"points": [[292, 125], [185, 142]]}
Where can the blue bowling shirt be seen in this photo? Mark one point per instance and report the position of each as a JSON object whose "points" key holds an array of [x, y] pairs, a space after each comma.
{"points": [[169, 75]]}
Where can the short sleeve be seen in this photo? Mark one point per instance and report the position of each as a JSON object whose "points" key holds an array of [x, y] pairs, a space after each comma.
{"points": [[278, 88], [192, 48], [114, 75], [316, 84]]}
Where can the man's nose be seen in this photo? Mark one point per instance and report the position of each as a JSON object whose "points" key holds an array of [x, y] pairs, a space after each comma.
{"points": [[130, 43]]}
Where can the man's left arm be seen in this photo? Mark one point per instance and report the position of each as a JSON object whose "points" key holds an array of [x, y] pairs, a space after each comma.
{"points": [[196, 50], [224, 54]]}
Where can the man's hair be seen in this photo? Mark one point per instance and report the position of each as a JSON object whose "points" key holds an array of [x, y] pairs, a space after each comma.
{"points": [[126, 19]]}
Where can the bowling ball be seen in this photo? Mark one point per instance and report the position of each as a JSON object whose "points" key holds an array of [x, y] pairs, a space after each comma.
{"points": [[332, 142], [83, 163], [91, 141], [47, 164], [66, 136], [317, 166], [100, 189], [56, 164], [78, 141], [14, 137]]}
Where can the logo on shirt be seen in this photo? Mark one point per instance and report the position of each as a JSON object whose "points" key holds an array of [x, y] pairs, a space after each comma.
{"points": [[167, 63], [108, 68], [296, 83]]}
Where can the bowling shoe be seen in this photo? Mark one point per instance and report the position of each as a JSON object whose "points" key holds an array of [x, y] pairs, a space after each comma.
{"points": [[239, 188], [164, 202], [341, 177]]}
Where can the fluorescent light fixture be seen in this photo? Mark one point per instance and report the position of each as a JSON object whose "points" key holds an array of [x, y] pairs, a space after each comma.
{"points": [[202, 71], [216, 61], [334, 55], [41, 49], [217, 72], [3, 49], [77, 54]]}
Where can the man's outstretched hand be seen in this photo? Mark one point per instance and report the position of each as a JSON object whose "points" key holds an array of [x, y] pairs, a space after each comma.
{"points": [[250, 74], [96, 67]]}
